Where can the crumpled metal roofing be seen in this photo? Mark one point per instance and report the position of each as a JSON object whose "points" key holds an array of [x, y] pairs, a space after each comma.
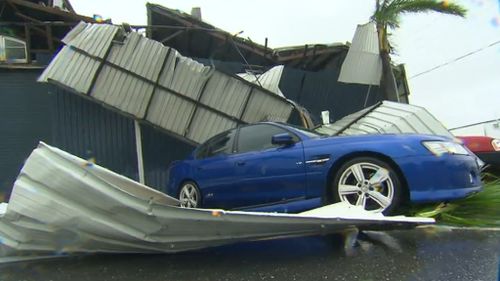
{"points": [[154, 83], [269, 79], [362, 64], [387, 118], [63, 204]]}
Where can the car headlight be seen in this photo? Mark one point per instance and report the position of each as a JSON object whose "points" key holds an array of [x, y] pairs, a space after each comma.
{"points": [[439, 148], [496, 144]]}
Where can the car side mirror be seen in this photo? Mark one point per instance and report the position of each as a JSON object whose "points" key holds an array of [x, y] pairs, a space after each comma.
{"points": [[284, 139]]}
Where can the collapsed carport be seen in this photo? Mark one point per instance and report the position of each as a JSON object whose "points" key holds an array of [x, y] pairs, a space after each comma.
{"points": [[156, 86], [60, 197]]}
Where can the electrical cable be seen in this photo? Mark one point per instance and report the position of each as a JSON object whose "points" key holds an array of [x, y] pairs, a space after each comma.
{"points": [[455, 60]]}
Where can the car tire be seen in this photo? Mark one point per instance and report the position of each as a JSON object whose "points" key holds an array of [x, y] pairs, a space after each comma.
{"points": [[368, 182], [189, 195]]}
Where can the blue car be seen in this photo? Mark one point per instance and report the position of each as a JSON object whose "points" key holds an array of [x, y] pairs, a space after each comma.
{"points": [[276, 167]]}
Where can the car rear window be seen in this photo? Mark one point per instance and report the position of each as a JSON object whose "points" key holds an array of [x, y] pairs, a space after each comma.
{"points": [[220, 144]]}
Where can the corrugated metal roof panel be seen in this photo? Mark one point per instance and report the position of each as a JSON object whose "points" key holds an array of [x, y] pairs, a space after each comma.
{"points": [[170, 112], [207, 124], [263, 107], [387, 118], [363, 64], [123, 91], [72, 69], [269, 80], [226, 93], [95, 39], [128, 75], [189, 77], [139, 55]]}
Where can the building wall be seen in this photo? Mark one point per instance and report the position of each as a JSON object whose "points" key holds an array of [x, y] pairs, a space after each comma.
{"points": [[90, 131], [32, 112], [159, 150], [25, 119], [320, 91]]}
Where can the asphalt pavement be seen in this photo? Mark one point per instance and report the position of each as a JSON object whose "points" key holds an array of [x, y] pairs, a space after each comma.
{"points": [[420, 254]]}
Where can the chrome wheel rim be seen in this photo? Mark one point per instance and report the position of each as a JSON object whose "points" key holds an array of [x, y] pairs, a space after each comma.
{"points": [[367, 185], [189, 196]]}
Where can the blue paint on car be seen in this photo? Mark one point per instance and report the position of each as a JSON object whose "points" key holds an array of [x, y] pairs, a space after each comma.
{"points": [[277, 167]]}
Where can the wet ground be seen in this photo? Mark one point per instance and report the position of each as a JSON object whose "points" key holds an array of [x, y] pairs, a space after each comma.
{"points": [[419, 254]]}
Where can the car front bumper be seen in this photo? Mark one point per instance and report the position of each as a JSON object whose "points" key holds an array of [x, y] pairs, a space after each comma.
{"points": [[440, 178]]}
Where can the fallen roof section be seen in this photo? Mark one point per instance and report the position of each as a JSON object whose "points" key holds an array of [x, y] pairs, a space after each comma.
{"points": [[153, 83], [63, 204], [196, 38], [387, 118]]}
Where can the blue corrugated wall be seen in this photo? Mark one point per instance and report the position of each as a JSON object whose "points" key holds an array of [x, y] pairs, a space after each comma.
{"points": [[25, 119], [32, 112], [88, 130], [319, 91]]}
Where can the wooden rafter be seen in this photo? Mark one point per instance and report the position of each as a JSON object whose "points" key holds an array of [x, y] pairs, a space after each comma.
{"points": [[51, 10]]}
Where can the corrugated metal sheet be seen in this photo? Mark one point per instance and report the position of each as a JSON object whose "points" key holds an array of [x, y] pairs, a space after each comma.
{"points": [[93, 39], [224, 93], [159, 150], [123, 91], [143, 57], [170, 112], [91, 131], [363, 64], [269, 80], [141, 77], [387, 118], [319, 91], [63, 67], [263, 107], [25, 119], [62, 204], [205, 123]]}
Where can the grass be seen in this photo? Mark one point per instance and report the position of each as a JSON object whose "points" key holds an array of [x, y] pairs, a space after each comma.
{"points": [[479, 210]]}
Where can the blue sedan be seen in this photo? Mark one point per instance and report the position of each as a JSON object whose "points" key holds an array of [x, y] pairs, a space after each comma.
{"points": [[279, 168]]}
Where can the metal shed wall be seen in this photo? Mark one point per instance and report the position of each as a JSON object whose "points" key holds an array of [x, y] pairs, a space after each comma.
{"points": [[319, 91], [25, 119], [159, 150], [88, 130], [33, 112]]}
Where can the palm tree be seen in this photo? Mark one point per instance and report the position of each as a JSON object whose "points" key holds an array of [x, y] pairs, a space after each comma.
{"points": [[387, 16]]}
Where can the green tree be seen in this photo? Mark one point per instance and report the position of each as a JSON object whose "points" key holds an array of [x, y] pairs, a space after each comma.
{"points": [[387, 16]]}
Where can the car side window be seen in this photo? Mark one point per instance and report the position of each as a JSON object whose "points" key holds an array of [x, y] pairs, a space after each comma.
{"points": [[220, 144], [258, 137]]}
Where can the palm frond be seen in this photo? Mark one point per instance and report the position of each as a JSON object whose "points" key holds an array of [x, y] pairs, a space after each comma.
{"points": [[426, 6], [481, 209], [389, 11]]}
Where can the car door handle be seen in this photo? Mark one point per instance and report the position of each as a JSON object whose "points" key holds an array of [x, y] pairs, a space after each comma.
{"points": [[240, 163]]}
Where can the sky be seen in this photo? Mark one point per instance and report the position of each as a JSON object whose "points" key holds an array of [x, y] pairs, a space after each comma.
{"points": [[458, 92]]}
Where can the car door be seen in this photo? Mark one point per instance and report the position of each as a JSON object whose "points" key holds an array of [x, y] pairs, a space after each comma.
{"points": [[214, 169], [267, 173]]}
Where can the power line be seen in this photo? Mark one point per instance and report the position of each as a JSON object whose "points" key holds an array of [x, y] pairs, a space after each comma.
{"points": [[456, 59]]}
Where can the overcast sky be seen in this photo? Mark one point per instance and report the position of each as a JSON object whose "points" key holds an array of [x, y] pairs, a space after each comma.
{"points": [[460, 93]]}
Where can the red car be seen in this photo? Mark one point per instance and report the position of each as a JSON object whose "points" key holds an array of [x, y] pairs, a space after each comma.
{"points": [[486, 148]]}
